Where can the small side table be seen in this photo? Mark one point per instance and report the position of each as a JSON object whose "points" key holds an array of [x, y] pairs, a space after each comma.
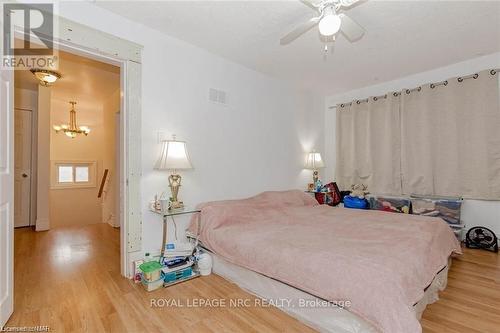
{"points": [[171, 213]]}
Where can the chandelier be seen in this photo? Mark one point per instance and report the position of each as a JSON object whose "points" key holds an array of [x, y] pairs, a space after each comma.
{"points": [[72, 130]]}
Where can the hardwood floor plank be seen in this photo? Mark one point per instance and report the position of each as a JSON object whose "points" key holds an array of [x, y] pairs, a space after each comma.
{"points": [[69, 279]]}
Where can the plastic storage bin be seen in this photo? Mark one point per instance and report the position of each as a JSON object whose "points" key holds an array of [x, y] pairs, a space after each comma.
{"points": [[153, 285], [178, 275], [151, 271]]}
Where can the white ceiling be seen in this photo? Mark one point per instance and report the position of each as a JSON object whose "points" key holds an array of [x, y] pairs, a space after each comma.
{"points": [[402, 38]]}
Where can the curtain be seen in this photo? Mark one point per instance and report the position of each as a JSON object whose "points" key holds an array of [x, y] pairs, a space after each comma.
{"points": [[450, 138], [368, 146]]}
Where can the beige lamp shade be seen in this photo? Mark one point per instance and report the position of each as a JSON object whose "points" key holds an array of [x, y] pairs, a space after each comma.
{"points": [[314, 161], [174, 156]]}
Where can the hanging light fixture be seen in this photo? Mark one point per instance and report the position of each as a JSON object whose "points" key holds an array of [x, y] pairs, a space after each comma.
{"points": [[45, 77], [330, 23], [72, 130]]}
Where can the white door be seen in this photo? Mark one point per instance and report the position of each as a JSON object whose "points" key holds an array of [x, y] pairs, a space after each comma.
{"points": [[6, 195], [22, 167]]}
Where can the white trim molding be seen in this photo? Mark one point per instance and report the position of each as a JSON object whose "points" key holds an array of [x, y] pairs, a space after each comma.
{"points": [[42, 224]]}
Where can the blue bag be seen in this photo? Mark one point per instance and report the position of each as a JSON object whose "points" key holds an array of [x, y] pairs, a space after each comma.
{"points": [[355, 202]]}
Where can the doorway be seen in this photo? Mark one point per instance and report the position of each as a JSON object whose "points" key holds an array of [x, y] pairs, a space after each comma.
{"points": [[86, 41], [81, 165]]}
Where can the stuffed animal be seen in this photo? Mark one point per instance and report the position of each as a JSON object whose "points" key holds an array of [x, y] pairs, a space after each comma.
{"points": [[359, 190]]}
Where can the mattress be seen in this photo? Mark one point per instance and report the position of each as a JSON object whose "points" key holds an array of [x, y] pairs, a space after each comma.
{"points": [[310, 309]]}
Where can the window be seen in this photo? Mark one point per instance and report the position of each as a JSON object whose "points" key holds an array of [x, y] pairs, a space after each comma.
{"points": [[81, 174], [429, 141], [73, 174], [65, 174]]}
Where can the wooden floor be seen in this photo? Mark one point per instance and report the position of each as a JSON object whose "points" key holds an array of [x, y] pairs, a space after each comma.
{"points": [[69, 280]]}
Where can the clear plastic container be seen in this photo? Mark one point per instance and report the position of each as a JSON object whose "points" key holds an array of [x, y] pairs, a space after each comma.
{"points": [[153, 285], [151, 271]]}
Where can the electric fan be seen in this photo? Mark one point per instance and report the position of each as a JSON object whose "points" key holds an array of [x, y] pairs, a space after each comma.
{"points": [[481, 238]]}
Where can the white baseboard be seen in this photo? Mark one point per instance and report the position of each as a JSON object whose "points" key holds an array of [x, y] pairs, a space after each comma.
{"points": [[42, 224]]}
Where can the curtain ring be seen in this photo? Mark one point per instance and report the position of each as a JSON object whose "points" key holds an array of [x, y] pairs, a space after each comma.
{"points": [[493, 72], [432, 86], [475, 76], [408, 91], [460, 79], [419, 88], [375, 98], [358, 102], [445, 83], [342, 105], [395, 94]]}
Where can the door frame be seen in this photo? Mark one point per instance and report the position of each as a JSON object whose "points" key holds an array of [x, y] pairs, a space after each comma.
{"points": [[88, 42]]}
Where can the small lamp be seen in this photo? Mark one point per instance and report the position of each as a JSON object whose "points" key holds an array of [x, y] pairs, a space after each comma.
{"points": [[314, 162], [174, 156]]}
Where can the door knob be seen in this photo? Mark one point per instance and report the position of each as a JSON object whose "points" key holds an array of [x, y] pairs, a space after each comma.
{"points": [[25, 175]]}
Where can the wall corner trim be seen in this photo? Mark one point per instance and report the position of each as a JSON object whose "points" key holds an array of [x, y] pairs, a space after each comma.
{"points": [[42, 224]]}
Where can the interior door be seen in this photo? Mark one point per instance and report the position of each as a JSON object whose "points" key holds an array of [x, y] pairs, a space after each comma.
{"points": [[22, 167], [6, 195]]}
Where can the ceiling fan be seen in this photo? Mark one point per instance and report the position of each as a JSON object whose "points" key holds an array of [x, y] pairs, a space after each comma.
{"points": [[329, 21]]}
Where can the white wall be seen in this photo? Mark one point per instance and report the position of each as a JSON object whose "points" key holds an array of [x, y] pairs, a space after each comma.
{"points": [[25, 99], [474, 212], [43, 159], [255, 143]]}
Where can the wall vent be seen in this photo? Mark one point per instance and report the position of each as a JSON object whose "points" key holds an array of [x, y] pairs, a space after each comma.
{"points": [[217, 96]]}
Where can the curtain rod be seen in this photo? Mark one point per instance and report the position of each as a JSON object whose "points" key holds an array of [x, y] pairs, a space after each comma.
{"points": [[409, 91]]}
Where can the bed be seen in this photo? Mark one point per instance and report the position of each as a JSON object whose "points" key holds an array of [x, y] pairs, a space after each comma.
{"points": [[382, 267]]}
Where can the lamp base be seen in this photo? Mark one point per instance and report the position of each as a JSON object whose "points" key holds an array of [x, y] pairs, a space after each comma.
{"points": [[176, 205], [174, 182], [315, 176]]}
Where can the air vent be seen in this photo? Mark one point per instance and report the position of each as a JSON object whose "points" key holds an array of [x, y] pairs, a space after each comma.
{"points": [[217, 96]]}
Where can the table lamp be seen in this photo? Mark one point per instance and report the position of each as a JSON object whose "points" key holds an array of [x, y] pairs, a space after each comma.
{"points": [[314, 162], [174, 156]]}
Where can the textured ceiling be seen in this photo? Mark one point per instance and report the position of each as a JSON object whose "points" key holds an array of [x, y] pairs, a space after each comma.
{"points": [[402, 38]]}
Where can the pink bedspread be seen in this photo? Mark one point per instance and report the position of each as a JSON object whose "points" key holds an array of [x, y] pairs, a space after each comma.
{"points": [[381, 262]]}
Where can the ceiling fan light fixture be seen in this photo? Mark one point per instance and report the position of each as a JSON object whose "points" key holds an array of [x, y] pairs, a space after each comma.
{"points": [[329, 24]]}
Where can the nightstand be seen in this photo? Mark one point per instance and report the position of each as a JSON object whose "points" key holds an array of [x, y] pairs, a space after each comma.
{"points": [[171, 213]]}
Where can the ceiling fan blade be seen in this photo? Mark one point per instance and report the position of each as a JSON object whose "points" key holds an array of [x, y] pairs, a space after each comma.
{"points": [[310, 4], [295, 33], [351, 30], [347, 3]]}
